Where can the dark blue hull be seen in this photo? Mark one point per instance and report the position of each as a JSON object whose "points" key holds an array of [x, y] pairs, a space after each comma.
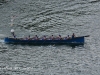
{"points": [[72, 41]]}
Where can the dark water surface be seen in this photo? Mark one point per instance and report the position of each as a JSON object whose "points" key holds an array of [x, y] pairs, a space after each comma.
{"points": [[47, 17]]}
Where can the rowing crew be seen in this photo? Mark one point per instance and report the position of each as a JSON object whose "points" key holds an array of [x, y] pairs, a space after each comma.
{"points": [[49, 38], [44, 37]]}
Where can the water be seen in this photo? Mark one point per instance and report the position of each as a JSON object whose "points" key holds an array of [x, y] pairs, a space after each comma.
{"points": [[47, 17]]}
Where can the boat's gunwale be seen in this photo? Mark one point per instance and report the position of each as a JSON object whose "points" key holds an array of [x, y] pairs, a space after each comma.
{"points": [[41, 39]]}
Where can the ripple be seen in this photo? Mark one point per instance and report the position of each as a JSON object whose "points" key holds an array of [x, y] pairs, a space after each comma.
{"points": [[51, 17], [3, 51]]}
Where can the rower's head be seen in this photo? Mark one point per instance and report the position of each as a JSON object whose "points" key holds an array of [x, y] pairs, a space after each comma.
{"points": [[59, 35], [36, 35]]}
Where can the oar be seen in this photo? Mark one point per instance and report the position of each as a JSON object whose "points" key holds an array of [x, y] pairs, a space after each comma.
{"points": [[86, 36]]}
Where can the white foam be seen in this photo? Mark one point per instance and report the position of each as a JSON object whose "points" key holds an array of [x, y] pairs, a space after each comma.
{"points": [[1, 41]]}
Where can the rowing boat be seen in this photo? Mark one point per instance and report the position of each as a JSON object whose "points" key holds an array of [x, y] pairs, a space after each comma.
{"points": [[72, 41]]}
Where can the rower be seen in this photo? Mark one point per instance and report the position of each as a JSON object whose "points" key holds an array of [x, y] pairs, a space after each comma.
{"points": [[52, 37], [36, 37], [12, 32], [73, 35], [44, 37], [60, 37], [29, 37], [68, 37]]}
